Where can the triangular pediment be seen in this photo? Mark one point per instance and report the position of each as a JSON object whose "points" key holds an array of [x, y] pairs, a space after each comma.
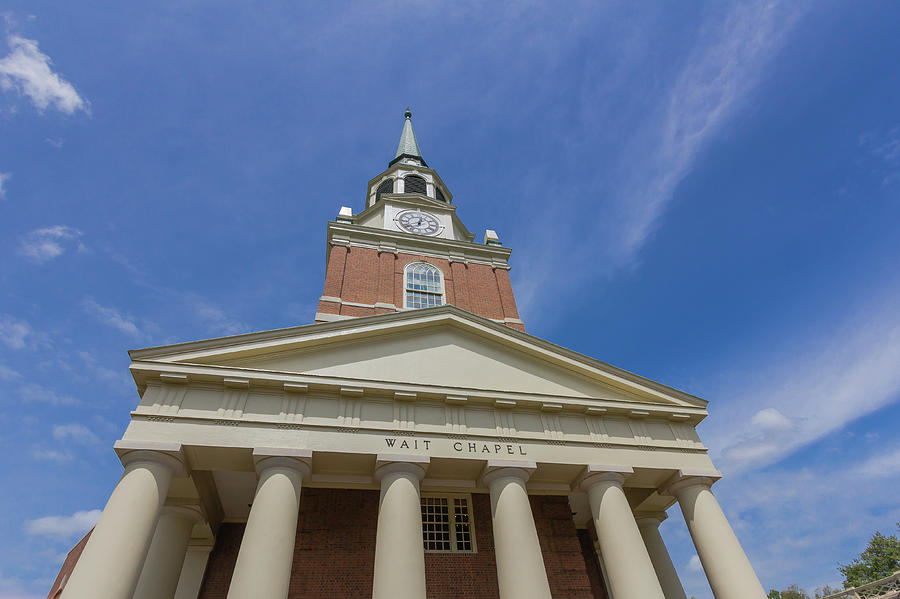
{"points": [[442, 348]]}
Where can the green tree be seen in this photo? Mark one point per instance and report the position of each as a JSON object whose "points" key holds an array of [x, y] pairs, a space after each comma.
{"points": [[880, 559], [825, 591], [792, 592]]}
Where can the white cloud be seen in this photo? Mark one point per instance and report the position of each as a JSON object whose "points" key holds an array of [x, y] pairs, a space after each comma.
{"points": [[37, 393], [840, 375], [881, 466], [718, 77], [694, 564], [112, 317], [27, 70], [772, 419], [44, 454], [13, 332], [8, 374], [56, 142], [63, 527], [76, 432], [47, 243], [4, 177]]}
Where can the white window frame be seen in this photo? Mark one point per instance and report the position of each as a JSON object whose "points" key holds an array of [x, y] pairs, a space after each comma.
{"points": [[443, 294], [450, 497]]}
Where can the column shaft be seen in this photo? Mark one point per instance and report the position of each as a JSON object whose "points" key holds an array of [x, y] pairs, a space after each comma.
{"points": [[263, 568], [114, 555], [162, 568], [520, 564], [659, 555], [726, 565], [399, 550], [628, 565]]}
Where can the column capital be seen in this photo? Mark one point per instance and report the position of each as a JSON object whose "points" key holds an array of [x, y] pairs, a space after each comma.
{"points": [[496, 469], [192, 512], [650, 518], [283, 457], [689, 478], [167, 454], [386, 464], [598, 473]]}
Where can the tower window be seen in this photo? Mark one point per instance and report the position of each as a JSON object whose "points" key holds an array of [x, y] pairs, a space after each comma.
{"points": [[424, 287], [447, 524], [439, 194], [387, 186], [414, 184]]}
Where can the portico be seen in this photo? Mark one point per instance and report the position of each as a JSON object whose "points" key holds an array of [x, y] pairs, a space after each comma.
{"points": [[218, 441]]}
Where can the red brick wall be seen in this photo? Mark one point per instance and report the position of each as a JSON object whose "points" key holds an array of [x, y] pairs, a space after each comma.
{"points": [[335, 552], [466, 575], [365, 276], [563, 559], [68, 565]]}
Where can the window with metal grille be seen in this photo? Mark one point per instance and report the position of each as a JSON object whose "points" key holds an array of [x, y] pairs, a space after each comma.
{"points": [[387, 186], [424, 287], [439, 194], [447, 524], [414, 184]]}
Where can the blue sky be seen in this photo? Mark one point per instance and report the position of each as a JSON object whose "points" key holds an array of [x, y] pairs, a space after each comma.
{"points": [[707, 194]]}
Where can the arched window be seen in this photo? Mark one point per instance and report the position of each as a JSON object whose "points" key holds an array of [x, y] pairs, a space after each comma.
{"points": [[439, 194], [424, 287], [414, 184], [387, 186]]}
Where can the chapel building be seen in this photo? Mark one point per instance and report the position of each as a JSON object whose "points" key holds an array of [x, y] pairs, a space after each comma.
{"points": [[413, 442]]}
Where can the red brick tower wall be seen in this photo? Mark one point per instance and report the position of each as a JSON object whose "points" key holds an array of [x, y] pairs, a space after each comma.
{"points": [[368, 276], [335, 552]]}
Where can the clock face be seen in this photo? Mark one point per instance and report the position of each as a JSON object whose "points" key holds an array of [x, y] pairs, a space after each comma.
{"points": [[415, 221]]}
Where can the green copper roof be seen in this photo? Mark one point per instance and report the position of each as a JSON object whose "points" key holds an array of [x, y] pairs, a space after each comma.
{"points": [[408, 145]]}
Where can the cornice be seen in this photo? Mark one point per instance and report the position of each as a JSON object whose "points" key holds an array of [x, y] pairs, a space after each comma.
{"points": [[364, 326], [370, 237], [149, 373]]}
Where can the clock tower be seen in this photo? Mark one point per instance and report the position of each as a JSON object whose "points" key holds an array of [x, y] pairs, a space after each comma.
{"points": [[408, 249]]}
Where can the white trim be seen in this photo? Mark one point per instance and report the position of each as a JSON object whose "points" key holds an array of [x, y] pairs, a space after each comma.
{"points": [[451, 524], [326, 317], [443, 276]]}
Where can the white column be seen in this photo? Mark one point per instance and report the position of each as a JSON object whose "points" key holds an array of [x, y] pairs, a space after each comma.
{"points": [[727, 568], [648, 524], [114, 555], [399, 549], [628, 565], [194, 568], [162, 568], [263, 568], [520, 564]]}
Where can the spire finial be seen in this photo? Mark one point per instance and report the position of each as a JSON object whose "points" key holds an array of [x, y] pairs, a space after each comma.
{"points": [[408, 148]]}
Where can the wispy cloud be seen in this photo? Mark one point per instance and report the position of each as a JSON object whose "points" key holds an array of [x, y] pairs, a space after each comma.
{"points": [[40, 394], [45, 454], [850, 371], [63, 527], [56, 142], [4, 177], [716, 81], [47, 243], [880, 466], [75, 432], [111, 317], [27, 71], [14, 332], [884, 147], [8, 374]]}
